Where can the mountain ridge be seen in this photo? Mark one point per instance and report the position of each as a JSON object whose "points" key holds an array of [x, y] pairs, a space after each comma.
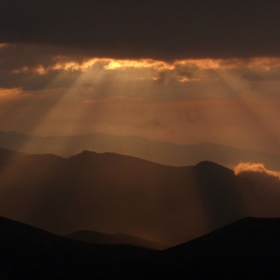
{"points": [[115, 193], [156, 151]]}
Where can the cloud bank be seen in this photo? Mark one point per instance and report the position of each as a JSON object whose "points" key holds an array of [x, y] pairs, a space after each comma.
{"points": [[50, 90], [165, 30]]}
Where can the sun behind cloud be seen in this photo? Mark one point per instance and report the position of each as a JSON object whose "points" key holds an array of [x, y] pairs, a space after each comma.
{"points": [[63, 92]]}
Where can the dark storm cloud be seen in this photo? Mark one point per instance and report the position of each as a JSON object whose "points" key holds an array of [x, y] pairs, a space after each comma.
{"points": [[15, 57], [157, 29]]}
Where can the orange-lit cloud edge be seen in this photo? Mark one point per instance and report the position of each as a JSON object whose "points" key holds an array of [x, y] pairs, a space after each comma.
{"points": [[247, 167], [218, 81], [181, 70], [261, 65], [68, 64]]}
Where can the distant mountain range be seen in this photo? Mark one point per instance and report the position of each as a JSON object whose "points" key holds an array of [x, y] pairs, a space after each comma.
{"points": [[246, 249], [113, 193], [155, 151]]}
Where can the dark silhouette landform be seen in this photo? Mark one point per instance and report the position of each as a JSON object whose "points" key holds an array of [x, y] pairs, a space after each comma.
{"points": [[113, 193], [155, 151], [246, 249], [31, 253], [118, 238]]}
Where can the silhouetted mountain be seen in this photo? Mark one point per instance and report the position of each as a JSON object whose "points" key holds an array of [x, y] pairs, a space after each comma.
{"points": [[113, 193], [155, 151], [247, 249], [118, 238], [30, 253], [220, 193]]}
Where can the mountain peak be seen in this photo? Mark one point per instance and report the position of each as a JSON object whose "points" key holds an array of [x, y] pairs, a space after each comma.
{"points": [[211, 166]]}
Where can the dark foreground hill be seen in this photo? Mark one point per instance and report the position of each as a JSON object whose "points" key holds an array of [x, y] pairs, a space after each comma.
{"points": [[155, 151], [112, 193], [247, 249], [30, 253]]}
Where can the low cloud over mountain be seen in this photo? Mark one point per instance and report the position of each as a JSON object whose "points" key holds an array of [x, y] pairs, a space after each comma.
{"points": [[256, 169], [266, 185]]}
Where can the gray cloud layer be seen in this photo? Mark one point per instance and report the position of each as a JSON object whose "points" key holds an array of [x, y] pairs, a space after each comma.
{"points": [[157, 29]]}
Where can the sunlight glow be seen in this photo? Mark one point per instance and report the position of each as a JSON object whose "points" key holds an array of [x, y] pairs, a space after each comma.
{"points": [[68, 64], [230, 101], [9, 93], [112, 64]]}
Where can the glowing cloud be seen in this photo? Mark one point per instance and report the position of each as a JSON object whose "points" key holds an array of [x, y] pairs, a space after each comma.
{"points": [[203, 97], [264, 188], [258, 168]]}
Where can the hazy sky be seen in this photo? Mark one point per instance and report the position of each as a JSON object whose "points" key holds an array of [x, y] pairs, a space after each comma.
{"points": [[179, 71]]}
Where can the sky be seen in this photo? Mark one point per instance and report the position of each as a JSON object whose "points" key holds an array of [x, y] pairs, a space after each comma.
{"points": [[176, 71]]}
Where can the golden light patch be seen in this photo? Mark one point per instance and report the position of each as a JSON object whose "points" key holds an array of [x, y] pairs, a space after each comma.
{"points": [[142, 63], [203, 64], [200, 63], [9, 93], [110, 64], [183, 79], [113, 65], [68, 66], [39, 70], [21, 70]]}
